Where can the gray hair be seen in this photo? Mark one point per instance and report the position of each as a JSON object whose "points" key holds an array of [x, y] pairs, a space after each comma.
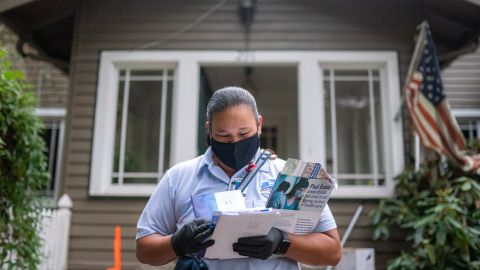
{"points": [[230, 96]]}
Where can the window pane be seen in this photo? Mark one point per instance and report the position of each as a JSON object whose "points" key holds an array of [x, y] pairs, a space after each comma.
{"points": [[118, 126], [147, 72], [168, 125], [357, 142], [326, 74], [140, 180], [328, 128], [268, 138], [356, 182], [339, 73], [469, 127], [379, 126], [143, 126], [142, 134], [353, 127], [51, 137]]}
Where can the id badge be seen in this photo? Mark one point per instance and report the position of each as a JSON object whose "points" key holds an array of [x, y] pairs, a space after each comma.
{"points": [[235, 183]]}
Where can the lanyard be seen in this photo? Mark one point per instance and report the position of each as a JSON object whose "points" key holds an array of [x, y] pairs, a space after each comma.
{"points": [[247, 179]]}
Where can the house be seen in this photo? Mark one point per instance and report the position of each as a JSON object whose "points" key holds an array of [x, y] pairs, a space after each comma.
{"points": [[327, 75]]}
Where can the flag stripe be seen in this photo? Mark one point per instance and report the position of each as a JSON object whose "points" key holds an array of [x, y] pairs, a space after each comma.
{"points": [[452, 130], [424, 135], [448, 151]]}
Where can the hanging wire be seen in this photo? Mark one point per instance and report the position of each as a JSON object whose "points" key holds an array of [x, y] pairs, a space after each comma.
{"points": [[185, 28]]}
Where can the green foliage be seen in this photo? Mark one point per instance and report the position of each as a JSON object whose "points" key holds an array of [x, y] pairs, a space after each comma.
{"points": [[23, 170], [437, 208]]}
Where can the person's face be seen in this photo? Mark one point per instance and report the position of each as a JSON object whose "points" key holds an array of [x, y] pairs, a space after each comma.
{"points": [[299, 192], [234, 124]]}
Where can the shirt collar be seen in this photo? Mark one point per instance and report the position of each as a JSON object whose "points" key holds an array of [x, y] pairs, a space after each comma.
{"points": [[207, 161]]}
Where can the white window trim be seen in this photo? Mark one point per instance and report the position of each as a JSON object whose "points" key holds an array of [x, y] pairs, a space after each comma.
{"points": [[127, 79], [185, 107], [57, 113], [468, 113], [392, 130], [51, 112], [464, 113]]}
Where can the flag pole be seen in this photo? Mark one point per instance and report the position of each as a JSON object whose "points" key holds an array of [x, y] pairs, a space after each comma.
{"points": [[419, 47]]}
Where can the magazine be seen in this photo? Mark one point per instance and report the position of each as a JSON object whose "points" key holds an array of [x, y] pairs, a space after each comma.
{"points": [[300, 194]]}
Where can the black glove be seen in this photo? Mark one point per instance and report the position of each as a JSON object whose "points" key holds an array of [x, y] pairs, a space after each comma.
{"points": [[189, 238], [260, 247]]}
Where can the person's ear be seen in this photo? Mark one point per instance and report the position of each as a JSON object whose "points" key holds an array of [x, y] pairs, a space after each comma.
{"points": [[260, 122], [207, 131]]}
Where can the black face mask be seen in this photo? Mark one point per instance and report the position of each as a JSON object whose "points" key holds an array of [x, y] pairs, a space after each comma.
{"points": [[238, 154]]}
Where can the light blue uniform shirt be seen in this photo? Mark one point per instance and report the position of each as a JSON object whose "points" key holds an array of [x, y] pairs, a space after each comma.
{"points": [[170, 207]]}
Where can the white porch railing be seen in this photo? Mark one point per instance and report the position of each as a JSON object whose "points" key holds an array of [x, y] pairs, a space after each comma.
{"points": [[55, 233]]}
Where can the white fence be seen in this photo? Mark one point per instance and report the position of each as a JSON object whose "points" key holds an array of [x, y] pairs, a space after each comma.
{"points": [[55, 233]]}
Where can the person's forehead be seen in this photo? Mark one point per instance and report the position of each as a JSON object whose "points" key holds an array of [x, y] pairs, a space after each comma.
{"points": [[237, 116], [241, 109]]}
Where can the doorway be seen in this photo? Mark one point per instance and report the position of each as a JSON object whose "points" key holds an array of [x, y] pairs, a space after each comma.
{"points": [[275, 90]]}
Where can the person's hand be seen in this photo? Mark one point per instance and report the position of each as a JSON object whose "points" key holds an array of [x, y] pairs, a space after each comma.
{"points": [[260, 247], [189, 239]]}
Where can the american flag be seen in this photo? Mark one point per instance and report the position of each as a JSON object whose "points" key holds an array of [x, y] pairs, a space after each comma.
{"points": [[430, 110]]}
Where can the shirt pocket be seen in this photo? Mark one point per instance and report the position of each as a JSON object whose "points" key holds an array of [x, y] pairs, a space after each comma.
{"points": [[266, 187]]}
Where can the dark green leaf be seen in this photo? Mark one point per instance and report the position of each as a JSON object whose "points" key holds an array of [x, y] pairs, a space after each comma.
{"points": [[466, 186], [431, 254], [441, 234]]}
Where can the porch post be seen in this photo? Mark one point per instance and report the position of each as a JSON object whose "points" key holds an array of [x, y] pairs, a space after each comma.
{"points": [[310, 111]]}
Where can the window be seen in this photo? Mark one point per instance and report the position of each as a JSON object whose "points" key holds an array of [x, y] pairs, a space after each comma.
{"points": [[356, 111], [354, 126], [142, 130], [54, 124], [470, 128], [138, 125], [469, 122]]}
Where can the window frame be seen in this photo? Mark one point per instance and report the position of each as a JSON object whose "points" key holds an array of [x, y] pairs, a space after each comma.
{"points": [[377, 191], [58, 114], [105, 123], [127, 79], [469, 113], [185, 107]]}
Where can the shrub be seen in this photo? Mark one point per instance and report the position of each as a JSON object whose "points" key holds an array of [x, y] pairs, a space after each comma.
{"points": [[438, 209], [23, 170]]}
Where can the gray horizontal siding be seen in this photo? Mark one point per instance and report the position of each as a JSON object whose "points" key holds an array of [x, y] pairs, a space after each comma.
{"points": [[462, 81], [44, 80], [279, 25]]}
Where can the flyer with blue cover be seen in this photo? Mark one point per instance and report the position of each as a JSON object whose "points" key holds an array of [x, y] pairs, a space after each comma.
{"points": [[300, 194]]}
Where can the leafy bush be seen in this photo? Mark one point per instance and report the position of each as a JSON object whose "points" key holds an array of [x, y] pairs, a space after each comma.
{"points": [[438, 209], [23, 170]]}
